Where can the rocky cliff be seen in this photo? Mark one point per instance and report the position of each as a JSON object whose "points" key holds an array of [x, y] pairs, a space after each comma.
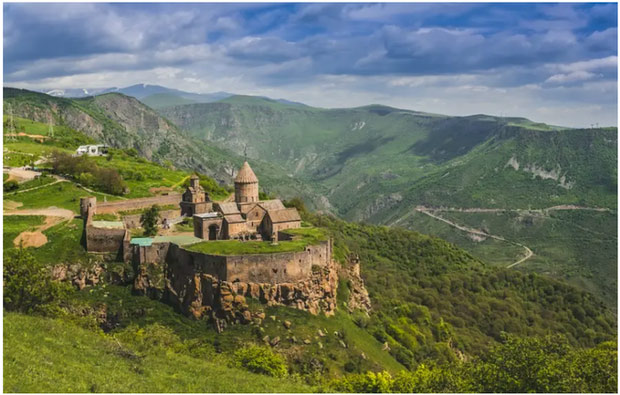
{"points": [[205, 296]]}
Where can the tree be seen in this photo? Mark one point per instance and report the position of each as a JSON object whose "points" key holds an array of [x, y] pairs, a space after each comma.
{"points": [[28, 285], [149, 219]]}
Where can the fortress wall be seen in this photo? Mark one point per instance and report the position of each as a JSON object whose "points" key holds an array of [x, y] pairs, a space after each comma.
{"points": [[104, 240], [133, 204], [201, 285], [155, 253], [184, 262], [133, 221], [278, 268]]}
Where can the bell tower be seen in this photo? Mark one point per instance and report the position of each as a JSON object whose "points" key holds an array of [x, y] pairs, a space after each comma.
{"points": [[246, 185]]}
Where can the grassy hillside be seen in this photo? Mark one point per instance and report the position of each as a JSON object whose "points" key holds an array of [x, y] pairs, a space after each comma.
{"points": [[432, 298], [159, 100], [52, 355]]}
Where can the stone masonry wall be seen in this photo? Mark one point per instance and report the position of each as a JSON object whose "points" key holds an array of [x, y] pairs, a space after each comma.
{"points": [[104, 240], [134, 204], [215, 287], [277, 268]]}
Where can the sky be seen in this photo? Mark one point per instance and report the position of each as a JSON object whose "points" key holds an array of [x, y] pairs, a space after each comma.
{"points": [[549, 62]]}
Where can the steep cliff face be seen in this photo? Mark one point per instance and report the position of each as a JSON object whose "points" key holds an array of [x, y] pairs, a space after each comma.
{"points": [[206, 296]]}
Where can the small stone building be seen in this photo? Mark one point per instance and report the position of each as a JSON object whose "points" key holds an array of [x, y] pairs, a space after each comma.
{"points": [[277, 220], [195, 200], [246, 217]]}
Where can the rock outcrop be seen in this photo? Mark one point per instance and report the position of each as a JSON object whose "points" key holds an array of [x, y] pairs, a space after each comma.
{"points": [[358, 295], [204, 296]]}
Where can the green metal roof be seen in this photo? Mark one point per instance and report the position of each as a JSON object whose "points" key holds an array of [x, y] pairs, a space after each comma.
{"points": [[179, 240], [142, 241]]}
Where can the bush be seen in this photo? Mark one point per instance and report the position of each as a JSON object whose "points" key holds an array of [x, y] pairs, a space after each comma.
{"points": [[260, 360], [28, 285], [10, 186]]}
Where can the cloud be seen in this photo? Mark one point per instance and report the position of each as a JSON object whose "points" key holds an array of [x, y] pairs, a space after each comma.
{"points": [[450, 59]]}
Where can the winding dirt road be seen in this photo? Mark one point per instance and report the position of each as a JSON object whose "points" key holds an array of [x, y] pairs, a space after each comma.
{"points": [[528, 252], [431, 212]]}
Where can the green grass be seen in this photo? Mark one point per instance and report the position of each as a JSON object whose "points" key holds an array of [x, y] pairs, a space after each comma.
{"points": [[50, 355], [236, 247], [131, 311], [141, 174], [105, 217], [13, 225], [310, 234], [64, 244], [43, 180], [28, 126], [63, 195]]}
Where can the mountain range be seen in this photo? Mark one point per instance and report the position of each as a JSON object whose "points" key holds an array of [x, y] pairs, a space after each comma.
{"points": [[381, 164]]}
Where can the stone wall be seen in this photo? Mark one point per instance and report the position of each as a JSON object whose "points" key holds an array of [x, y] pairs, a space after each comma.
{"points": [[215, 286], [133, 221], [277, 268], [134, 204], [104, 240]]}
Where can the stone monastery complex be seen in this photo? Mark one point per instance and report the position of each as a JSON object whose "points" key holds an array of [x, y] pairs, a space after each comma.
{"points": [[245, 218], [183, 270]]}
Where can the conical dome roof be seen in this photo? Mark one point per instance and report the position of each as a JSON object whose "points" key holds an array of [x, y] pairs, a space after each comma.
{"points": [[246, 175]]}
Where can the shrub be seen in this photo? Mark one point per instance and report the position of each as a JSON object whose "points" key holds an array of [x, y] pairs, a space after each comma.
{"points": [[260, 360], [28, 285], [10, 186]]}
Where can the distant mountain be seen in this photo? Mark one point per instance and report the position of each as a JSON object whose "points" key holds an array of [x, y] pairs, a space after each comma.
{"points": [[160, 100], [140, 91]]}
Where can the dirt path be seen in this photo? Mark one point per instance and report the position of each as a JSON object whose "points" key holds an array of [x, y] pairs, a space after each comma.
{"points": [[36, 238], [35, 188], [567, 207], [21, 175]]}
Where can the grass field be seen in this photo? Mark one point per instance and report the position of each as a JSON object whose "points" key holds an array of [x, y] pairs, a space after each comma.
{"points": [[235, 247], [50, 355], [63, 195], [13, 225]]}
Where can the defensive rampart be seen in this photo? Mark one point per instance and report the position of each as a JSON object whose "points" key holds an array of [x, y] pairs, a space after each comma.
{"points": [[199, 284], [104, 239], [134, 204]]}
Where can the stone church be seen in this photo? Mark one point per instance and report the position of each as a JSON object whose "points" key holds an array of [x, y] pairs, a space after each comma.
{"points": [[247, 217]]}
